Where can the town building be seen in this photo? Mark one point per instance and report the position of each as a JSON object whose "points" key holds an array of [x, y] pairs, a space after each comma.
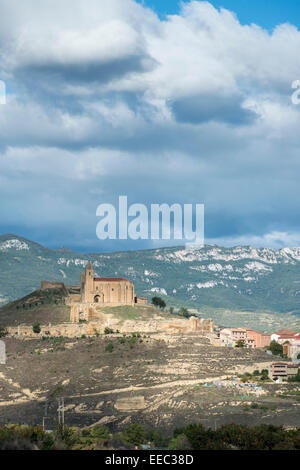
{"points": [[251, 338], [281, 371], [261, 340], [284, 336]]}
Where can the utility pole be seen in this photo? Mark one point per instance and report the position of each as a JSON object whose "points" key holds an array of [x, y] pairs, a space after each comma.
{"points": [[45, 412], [61, 411]]}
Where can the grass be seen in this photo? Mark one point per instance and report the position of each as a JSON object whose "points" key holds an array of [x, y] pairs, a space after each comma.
{"points": [[141, 313]]}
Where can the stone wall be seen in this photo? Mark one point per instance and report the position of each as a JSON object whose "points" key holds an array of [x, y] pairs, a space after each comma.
{"points": [[192, 325], [141, 301], [52, 285]]}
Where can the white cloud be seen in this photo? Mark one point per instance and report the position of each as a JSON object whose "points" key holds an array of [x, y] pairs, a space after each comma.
{"points": [[195, 107]]}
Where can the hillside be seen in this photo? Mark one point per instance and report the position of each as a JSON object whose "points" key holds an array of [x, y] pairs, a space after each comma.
{"points": [[241, 279], [115, 381], [43, 306]]}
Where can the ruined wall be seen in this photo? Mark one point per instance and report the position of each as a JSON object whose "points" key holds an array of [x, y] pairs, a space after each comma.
{"points": [[73, 298], [192, 325], [141, 301], [52, 285]]}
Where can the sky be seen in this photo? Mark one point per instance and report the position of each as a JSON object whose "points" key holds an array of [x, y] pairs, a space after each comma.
{"points": [[265, 13], [159, 101]]}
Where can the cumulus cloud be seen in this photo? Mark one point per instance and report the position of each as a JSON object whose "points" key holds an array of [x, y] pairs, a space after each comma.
{"points": [[106, 99]]}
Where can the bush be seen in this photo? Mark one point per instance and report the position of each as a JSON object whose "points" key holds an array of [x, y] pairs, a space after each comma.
{"points": [[98, 432], [3, 332], [157, 439], [295, 378], [36, 328], [109, 347], [108, 331], [203, 439], [134, 434], [179, 442], [66, 435], [184, 312]]}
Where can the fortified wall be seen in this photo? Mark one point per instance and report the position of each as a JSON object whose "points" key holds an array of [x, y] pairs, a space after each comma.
{"points": [[72, 330], [52, 285]]}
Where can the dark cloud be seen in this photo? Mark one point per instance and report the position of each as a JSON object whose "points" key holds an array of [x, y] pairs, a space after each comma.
{"points": [[187, 111], [212, 107]]}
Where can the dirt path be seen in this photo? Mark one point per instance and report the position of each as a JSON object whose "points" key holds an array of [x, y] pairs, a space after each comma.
{"points": [[179, 383], [27, 394], [35, 396]]}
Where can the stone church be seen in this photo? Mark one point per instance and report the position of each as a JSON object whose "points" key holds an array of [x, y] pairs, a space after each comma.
{"points": [[105, 291]]}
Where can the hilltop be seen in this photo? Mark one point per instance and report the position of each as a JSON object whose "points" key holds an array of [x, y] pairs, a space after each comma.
{"points": [[214, 280], [43, 306]]}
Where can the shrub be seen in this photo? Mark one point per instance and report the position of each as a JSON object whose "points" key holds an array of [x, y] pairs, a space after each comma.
{"points": [[109, 347], [100, 432], [36, 328], [108, 331], [66, 435], [134, 434], [184, 312], [295, 378], [3, 332]]}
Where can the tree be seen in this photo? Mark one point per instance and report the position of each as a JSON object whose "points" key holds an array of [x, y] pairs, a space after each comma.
{"points": [[171, 310], [295, 378], [36, 328], [184, 312], [240, 344], [276, 348], [134, 434], [158, 302]]}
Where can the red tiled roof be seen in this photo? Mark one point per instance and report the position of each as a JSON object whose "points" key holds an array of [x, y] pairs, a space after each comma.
{"points": [[110, 279], [287, 336], [284, 331]]}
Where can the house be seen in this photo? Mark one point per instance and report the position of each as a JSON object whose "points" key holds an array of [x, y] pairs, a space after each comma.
{"points": [[251, 338], [285, 336], [260, 339], [282, 370]]}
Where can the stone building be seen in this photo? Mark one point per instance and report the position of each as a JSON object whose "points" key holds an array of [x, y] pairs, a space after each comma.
{"points": [[104, 290]]}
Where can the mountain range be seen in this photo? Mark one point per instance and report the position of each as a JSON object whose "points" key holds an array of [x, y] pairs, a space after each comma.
{"points": [[241, 278]]}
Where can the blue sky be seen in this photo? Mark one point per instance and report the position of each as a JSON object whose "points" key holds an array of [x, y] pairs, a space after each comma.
{"points": [[116, 98], [265, 13]]}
